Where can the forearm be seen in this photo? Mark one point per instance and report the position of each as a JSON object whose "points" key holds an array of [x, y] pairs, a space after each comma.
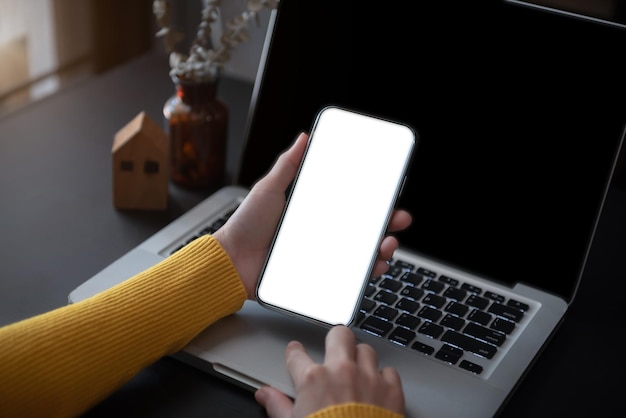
{"points": [[63, 362]]}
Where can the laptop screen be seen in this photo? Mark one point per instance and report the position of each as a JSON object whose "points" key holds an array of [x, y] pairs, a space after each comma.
{"points": [[515, 109]]}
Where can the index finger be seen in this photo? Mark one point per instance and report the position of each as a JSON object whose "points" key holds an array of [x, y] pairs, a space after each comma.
{"points": [[297, 361], [340, 345]]}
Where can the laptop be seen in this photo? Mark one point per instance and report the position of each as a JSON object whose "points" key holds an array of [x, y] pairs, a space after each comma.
{"points": [[518, 142]]}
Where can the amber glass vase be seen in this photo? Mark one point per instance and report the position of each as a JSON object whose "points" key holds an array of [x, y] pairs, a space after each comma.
{"points": [[197, 123]]}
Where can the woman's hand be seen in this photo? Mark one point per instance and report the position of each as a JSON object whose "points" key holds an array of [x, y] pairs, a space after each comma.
{"points": [[349, 373], [248, 234]]}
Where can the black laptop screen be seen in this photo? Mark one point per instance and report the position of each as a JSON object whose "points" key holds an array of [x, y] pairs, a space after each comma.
{"points": [[517, 111]]}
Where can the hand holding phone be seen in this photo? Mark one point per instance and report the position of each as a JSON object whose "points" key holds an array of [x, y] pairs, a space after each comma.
{"points": [[326, 243]]}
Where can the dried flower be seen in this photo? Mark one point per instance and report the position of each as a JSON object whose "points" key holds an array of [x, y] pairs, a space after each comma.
{"points": [[206, 55]]}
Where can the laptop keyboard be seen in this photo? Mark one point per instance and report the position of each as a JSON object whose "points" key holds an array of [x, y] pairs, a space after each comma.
{"points": [[207, 229], [437, 315]]}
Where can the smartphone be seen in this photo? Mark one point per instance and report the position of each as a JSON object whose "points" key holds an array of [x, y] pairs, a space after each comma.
{"points": [[336, 215]]}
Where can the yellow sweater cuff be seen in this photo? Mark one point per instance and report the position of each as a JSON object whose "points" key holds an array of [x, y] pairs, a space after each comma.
{"points": [[354, 410]]}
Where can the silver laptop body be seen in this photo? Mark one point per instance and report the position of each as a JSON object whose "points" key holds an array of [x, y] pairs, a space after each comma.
{"points": [[248, 348]]}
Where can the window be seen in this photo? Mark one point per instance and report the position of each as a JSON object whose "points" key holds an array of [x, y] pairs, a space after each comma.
{"points": [[151, 167]]}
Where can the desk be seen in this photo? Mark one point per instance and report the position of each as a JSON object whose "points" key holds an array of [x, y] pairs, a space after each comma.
{"points": [[59, 228]]}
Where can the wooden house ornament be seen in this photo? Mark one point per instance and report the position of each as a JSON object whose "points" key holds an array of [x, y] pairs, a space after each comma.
{"points": [[140, 165]]}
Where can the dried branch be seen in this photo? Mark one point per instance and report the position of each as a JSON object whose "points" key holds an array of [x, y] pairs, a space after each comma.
{"points": [[206, 59]]}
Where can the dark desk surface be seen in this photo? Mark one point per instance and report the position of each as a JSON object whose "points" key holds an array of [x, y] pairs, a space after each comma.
{"points": [[58, 228]]}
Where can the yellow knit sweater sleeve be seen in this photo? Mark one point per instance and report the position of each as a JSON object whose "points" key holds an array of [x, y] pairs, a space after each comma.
{"points": [[61, 363]]}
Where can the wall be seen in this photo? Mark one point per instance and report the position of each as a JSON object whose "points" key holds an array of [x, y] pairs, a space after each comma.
{"points": [[121, 31]]}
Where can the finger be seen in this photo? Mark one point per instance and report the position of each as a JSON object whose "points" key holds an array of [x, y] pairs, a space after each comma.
{"points": [[276, 403], [366, 358], [391, 375], [400, 220], [286, 166], [387, 247], [340, 345], [381, 267], [385, 252], [297, 361], [395, 394]]}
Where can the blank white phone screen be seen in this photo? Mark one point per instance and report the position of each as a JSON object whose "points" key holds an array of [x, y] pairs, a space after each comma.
{"points": [[336, 216]]}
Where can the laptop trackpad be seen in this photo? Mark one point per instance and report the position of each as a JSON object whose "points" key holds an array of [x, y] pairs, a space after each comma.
{"points": [[248, 349], [228, 345]]}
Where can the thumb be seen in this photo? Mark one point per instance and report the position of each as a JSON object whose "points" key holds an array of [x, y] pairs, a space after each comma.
{"points": [[276, 403]]}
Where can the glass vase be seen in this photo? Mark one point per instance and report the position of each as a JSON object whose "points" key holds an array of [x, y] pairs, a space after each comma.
{"points": [[196, 121]]}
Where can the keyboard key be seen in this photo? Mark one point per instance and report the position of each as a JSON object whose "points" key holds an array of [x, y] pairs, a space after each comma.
{"points": [[472, 367], [481, 317], [503, 325], [471, 288], [477, 302], [433, 286], [404, 265], [366, 305], [219, 223], [359, 317], [422, 348], [376, 279], [457, 308], [426, 273], [412, 292], [192, 239], [449, 280], [390, 284], [488, 335], [386, 312], [434, 300], [208, 230], [449, 354], [519, 305], [412, 278], [455, 293], [395, 271], [494, 296], [506, 311], [376, 326], [408, 321], [408, 305], [369, 290], [452, 321], [430, 329], [469, 344], [385, 297], [402, 335], [429, 313]]}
